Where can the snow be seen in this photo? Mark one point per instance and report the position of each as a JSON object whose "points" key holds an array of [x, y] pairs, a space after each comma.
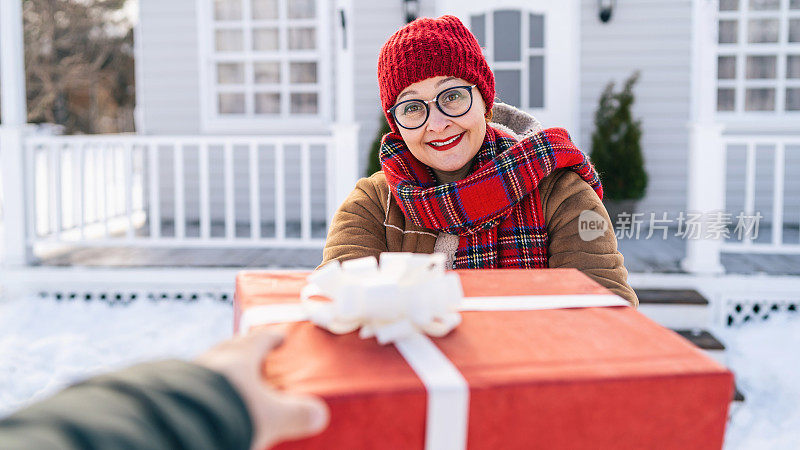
{"points": [[46, 344], [765, 358]]}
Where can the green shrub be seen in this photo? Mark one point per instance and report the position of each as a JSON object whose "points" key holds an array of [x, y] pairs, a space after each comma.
{"points": [[616, 149]]}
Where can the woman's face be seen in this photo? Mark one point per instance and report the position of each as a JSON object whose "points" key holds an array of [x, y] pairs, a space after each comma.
{"points": [[450, 162]]}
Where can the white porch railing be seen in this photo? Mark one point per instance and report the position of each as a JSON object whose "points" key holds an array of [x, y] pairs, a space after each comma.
{"points": [[779, 145], [107, 190]]}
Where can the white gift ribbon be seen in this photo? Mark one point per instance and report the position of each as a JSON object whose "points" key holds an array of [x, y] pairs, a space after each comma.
{"points": [[294, 312], [447, 415], [408, 296], [531, 302]]}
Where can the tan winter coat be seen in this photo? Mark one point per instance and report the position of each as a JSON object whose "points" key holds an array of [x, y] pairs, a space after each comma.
{"points": [[370, 221]]}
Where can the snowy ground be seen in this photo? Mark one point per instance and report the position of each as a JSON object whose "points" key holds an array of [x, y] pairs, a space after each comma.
{"points": [[45, 344], [765, 357]]}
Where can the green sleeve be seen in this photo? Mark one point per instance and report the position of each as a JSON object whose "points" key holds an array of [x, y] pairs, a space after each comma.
{"points": [[162, 405]]}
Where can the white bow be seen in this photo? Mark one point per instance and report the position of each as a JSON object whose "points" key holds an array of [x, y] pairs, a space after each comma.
{"points": [[409, 293]]}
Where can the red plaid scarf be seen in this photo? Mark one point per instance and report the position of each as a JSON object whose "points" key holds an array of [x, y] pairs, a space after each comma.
{"points": [[496, 210]]}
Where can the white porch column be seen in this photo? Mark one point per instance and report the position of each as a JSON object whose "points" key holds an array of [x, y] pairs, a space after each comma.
{"points": [[343, 173], [343, 169], [706, 171], [14, 117]]}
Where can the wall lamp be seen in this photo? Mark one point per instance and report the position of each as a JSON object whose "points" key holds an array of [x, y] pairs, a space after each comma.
{"points": [[411, 9], [605, 8]]}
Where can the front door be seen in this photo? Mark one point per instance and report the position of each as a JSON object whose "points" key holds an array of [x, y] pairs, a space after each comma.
{"points": [[532, 47]]}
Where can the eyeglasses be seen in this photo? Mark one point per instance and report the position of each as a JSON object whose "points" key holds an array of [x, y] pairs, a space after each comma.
{"points": [[453, 102]]}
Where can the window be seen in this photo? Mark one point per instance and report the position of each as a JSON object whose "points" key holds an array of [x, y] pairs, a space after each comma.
{"points": [[514, 45], [758, 63], [263, 62]]}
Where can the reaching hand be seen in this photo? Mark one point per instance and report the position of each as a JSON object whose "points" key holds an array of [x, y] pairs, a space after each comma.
{"points": [[276, 416]]}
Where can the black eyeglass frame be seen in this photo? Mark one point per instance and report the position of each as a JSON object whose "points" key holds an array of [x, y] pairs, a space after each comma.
{"points": [[428, 108]]}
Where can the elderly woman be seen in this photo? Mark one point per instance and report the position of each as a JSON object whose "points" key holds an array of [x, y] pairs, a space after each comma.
{"points": [[463, 175]]}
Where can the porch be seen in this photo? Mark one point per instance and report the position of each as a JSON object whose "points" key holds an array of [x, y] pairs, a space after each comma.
{"points": [[128, 208]]}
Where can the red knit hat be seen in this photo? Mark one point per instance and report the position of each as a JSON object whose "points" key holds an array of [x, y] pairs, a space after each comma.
{"points": [[427, 48]]}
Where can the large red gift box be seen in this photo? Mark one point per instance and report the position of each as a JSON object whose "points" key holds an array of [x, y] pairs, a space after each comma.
{"points": [[581, 378]]}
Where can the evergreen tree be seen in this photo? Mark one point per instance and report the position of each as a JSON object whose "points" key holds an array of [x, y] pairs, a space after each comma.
{"points": [[616, 148], [374, 163]]}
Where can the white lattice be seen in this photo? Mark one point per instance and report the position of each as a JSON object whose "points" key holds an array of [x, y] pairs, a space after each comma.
{"points": [[126, 296], [739, 310]]}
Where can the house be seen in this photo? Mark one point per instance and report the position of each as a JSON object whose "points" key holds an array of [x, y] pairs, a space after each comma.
{"points": [[267, 67]]}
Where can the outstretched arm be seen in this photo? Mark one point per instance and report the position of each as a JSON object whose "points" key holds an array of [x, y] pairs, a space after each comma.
{"points": [[218, 402]]}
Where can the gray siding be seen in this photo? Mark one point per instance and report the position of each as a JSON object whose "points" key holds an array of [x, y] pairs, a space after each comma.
{"points": [[653, 36], [167, 64]]}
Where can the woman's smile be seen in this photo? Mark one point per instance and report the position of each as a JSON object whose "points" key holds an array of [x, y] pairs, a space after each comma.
{"points": [[446, 144]]}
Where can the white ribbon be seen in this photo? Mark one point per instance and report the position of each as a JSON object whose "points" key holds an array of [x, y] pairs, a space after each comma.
{"points": [[447, 414], [408, 296]]}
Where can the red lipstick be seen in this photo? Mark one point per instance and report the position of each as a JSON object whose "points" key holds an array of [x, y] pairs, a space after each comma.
{"points": [[448, 146]]}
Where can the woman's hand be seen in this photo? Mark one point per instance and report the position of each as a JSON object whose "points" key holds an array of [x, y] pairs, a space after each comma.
{"points": [[276, 416]]}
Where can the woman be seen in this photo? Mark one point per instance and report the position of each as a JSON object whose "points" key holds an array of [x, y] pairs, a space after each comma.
{"points": [[493, 194]]}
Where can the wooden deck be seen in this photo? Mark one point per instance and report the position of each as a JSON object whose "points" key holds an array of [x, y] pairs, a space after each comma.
{"points": [[654, 255]]}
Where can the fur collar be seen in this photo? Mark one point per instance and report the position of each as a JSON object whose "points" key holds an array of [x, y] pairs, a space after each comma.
{"points": [[513, 121]]}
